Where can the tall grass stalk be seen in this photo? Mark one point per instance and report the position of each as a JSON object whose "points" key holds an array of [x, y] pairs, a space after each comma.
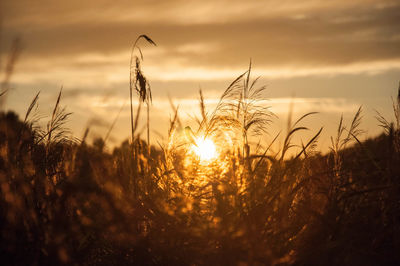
{"points": [[140, 83]]}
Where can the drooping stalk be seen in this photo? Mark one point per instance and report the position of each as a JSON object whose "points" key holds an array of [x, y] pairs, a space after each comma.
{"points": [[138, 80], [130, 92]]}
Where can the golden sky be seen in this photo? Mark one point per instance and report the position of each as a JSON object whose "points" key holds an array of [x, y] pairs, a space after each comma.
{"points": [[325, 56]]}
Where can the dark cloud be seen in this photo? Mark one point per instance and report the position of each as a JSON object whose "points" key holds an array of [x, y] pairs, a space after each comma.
{"points": [[98, 122], [76, 92], [318, 37]]}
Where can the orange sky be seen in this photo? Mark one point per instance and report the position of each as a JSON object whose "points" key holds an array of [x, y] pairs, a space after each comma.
{"points": [[325, 56]]}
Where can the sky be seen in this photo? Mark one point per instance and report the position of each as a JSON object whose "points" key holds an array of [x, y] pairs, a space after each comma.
{"points": [[315, 55]]}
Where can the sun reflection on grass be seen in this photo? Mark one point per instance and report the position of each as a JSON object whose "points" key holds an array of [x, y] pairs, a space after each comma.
{"points": [[205, 150]]}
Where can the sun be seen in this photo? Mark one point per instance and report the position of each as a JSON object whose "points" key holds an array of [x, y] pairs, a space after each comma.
{"points": [[204, 149]]}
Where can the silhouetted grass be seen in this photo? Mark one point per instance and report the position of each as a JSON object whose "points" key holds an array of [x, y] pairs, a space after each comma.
{"points": [[64, 201]]}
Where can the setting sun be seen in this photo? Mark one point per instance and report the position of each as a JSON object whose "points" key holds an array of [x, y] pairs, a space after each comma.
{"points": [[205, 149]]}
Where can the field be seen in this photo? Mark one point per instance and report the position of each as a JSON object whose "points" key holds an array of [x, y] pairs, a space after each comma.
{"points": [[208, 196]]}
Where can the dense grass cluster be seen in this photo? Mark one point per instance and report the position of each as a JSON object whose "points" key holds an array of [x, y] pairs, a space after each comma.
{"points": [[64, 201]]}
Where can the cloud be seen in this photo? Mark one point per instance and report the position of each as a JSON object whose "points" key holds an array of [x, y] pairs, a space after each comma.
{"points": [[97, 122], [177, 11], [311, 34]]}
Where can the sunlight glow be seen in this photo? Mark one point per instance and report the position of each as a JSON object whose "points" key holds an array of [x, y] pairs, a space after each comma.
{"points": [[205, 149]]}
